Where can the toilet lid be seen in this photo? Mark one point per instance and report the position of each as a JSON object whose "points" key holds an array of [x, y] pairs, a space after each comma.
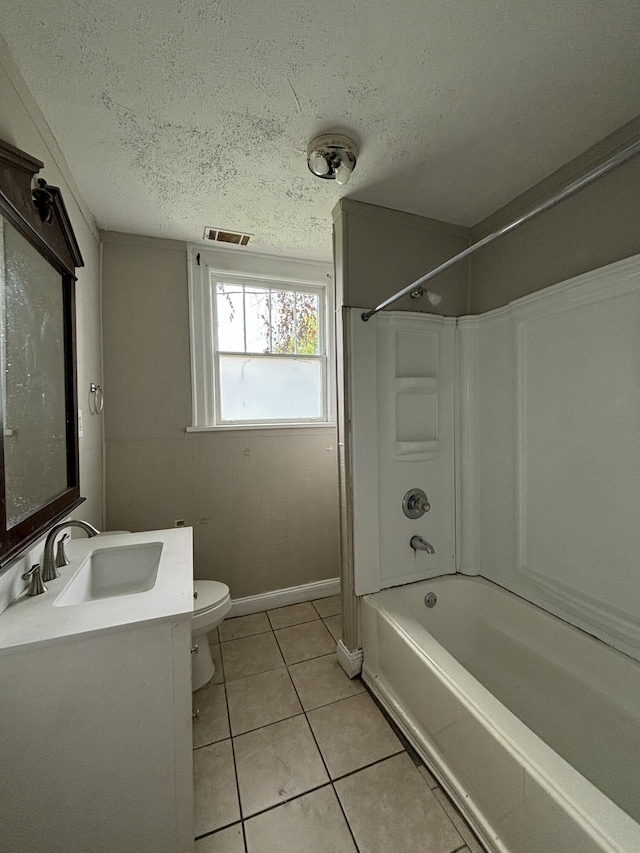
{"points": [[210, 593]]}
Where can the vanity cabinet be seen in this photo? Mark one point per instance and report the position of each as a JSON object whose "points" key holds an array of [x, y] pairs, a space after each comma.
{"points": [[96, 744], [95, 727]]}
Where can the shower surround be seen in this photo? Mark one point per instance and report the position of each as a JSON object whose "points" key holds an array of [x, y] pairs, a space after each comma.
{"points": [[547, 485]]}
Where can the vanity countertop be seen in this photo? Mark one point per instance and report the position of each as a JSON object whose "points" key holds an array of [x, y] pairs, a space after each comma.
{"points": [[35, 621]]}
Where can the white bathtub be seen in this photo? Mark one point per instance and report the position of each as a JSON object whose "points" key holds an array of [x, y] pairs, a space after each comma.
{"points": [[532, 725]]}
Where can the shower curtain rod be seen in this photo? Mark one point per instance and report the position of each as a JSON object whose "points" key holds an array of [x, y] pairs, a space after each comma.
{"points": [[571, 189]]}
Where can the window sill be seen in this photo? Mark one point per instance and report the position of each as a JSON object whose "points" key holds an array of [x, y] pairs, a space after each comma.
{"points": [[242, 427]]}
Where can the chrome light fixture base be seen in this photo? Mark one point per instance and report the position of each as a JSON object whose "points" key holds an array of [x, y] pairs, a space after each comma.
{"points": [[332, 156]]}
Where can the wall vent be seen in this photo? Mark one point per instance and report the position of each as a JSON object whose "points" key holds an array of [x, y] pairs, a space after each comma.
{"points": [[217, 235]]}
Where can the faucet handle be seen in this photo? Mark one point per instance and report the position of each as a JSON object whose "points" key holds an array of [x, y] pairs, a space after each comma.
{"points": [[34, 576], [415, 503], [61, 557]]}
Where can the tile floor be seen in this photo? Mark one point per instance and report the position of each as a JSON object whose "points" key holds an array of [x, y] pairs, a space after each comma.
{"points": [[290, 756]]}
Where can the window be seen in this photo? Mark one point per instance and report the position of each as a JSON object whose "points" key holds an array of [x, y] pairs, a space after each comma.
{"points": [[259, 349]]}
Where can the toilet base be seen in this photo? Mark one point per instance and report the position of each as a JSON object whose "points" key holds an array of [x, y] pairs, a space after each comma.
{"points": [[202, 666]]}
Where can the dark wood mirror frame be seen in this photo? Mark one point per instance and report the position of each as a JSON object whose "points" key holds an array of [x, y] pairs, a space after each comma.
{"points": [[41, 217]]}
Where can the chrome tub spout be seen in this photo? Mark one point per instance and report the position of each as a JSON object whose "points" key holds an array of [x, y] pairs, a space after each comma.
{"points": [[420, 544]]}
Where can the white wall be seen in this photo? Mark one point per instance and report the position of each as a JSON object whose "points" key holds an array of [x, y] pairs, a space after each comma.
{"points": [[23, 125], [401, 424], [554, 454]]}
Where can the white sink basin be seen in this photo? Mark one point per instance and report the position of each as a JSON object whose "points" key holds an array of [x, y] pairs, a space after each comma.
{"points": [[111, 572]]}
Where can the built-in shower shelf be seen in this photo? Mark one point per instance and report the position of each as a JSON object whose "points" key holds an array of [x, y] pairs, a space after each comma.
{"points": [[417, 449], [418, 382], [411, 371], [415, 431]]}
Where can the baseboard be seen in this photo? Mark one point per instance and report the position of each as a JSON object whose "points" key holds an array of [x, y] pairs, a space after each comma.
{"points": [[282, 597], [351, 662]]}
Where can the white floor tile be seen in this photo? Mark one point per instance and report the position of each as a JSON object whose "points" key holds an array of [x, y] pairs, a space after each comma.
{"points": [[212, 723], [249, 656], [261, 699], [293, 614], [306, 641], [321, 681], [334, 625], [313, 823], [229, 840], [216, 657], [352, 733], [244, 626], [277, 763], [390, 807], [328, 606], [286, 802], [215, 791]]}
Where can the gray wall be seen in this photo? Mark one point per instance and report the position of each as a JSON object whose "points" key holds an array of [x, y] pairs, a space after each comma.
{"points": [[263, 504], [22, 124], [379, 251], [598, 226]]}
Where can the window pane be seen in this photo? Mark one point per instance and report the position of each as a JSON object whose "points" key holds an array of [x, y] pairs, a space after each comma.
{"points": [[269, 388], [283, 324], [230, 314], [307, 323], [257, 314]]}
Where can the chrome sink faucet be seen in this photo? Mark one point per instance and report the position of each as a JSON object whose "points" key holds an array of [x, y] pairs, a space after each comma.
{"points": [[49, 565], [420, 544]]}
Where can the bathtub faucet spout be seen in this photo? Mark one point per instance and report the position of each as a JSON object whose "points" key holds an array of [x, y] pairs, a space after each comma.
{"points": [[420, 544]]}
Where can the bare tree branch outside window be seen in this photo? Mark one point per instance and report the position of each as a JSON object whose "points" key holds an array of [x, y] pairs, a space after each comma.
{"points": [[290, 318]]}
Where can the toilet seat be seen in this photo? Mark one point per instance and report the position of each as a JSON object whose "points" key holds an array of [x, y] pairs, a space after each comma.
{"points": [[213, 599], [210, 594]]}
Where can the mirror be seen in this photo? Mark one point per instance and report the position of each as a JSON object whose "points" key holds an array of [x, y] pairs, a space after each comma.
{"points": [[38, 256], [33, 357]]}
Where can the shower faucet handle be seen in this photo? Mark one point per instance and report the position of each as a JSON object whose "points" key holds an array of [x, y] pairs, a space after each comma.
{"points": [[415, 503], [422, 504]]}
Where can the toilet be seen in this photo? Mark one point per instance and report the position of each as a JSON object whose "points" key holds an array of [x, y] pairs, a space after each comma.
{"points": [[211, 604]]}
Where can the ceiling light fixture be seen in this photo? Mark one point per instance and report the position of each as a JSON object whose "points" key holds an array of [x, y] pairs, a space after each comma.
{"points": [[332, 156]]}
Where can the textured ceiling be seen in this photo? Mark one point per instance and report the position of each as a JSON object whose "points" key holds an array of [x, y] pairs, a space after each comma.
{"points": [[176, 114]]}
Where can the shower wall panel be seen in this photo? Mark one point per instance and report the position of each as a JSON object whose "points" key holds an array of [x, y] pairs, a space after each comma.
{"points": [[555, 461], [402, 437]]}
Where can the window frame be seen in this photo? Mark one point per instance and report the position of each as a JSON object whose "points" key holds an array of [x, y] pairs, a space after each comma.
{"points": [[204, 274]]}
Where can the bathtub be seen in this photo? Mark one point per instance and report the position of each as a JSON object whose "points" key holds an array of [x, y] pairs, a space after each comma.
{"points": [[531, 725]]}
